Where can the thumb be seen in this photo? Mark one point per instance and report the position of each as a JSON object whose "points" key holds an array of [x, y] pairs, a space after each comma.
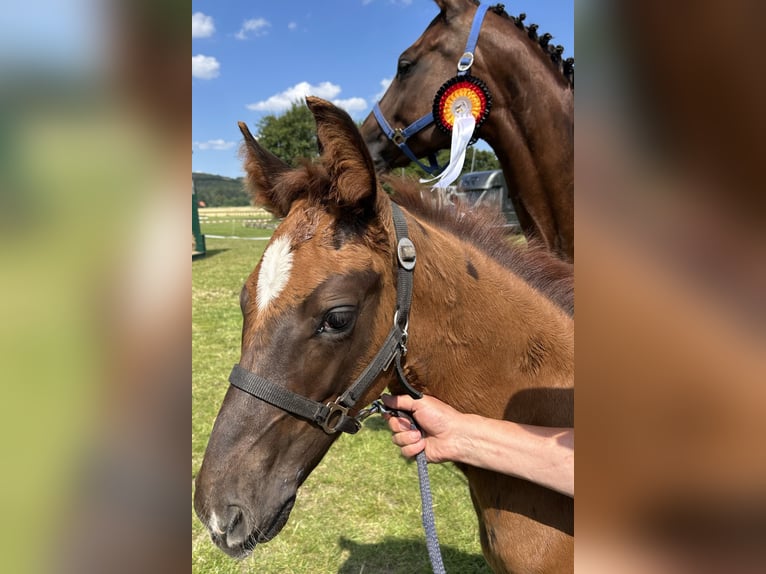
{"points": [[399, 402]]}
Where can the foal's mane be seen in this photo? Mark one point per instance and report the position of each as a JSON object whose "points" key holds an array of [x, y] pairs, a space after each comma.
{"points": [[542, 270], [532, 262]]}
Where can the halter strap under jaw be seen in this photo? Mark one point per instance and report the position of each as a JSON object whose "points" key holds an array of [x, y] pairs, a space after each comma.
{"points": [[400, 136], [333, 417]]}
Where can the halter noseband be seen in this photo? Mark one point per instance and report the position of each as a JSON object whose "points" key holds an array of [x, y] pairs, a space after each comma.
{"points": [[399, 136], [333, 416]]}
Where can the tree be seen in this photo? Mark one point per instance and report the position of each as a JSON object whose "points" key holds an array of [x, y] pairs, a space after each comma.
{"points": [[484, 161], [290, 136], [219, 191]]}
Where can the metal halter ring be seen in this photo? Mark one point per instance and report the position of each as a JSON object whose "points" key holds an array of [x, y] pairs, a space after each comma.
{"points": [[335, 414], [465, 62]]}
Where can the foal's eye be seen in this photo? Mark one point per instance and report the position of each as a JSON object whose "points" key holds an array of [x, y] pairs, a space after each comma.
{"points": [[338, 320]]}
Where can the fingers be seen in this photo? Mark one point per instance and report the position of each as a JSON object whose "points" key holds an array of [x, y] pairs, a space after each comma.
{"points": [[398, 424], [410, 442], [408, 438]]}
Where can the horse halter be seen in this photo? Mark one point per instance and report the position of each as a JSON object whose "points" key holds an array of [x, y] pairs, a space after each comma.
{"points": [[333, 416], [399, 136]]}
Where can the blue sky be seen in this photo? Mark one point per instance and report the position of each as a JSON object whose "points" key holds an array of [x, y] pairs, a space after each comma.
{"points": [[251, 58]]}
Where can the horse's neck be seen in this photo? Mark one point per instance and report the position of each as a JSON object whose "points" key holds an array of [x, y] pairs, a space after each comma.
{"points": [[531, 130], [483, 340]]}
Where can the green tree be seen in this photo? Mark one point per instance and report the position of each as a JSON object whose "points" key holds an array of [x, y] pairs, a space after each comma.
{"points": [[289, 136], [484, 161], [220, 191]]}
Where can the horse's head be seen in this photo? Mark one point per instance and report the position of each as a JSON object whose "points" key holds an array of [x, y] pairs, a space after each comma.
{"points": [[422, 69], [316, 308]]}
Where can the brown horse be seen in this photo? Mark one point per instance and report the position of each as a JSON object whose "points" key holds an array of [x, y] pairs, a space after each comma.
{"points": [[530, 125], [490, 332]]}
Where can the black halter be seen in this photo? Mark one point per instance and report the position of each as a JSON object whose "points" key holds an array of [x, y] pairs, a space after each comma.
{"points": [[333, 416]]}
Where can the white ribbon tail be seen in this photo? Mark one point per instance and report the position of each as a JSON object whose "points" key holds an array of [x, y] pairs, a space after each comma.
{"points": [[462, 131]]}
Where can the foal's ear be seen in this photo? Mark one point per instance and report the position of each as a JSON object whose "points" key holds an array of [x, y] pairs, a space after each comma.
{"points": [[346, 157], [263, 170]]}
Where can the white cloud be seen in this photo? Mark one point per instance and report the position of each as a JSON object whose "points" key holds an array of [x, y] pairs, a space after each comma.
{"points": [[292, 25], [258, 26], [282, 101], [326, 90], [352, 105], [384, 83], [205, 67], [217, 145], [202, 25]]}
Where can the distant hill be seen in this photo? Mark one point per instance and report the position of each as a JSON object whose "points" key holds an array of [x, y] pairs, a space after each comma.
{"points": [[220, 191]]}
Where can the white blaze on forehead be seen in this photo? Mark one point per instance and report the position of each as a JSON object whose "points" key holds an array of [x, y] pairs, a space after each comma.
{"points": [[275, 271]]}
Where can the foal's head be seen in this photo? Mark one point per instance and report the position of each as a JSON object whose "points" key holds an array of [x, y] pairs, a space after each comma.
{"points": [[315, 309]]}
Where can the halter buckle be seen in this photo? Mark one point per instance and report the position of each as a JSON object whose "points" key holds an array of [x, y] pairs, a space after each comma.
{"points": [[405, 252], [398, 136], [465, 62], [335, 415]]}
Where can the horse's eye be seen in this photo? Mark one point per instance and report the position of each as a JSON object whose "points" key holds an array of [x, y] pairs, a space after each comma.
{"points": [[403, 67], [338, 321]]}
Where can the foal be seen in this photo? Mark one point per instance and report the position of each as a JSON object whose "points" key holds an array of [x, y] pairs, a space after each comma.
{"points": [[490, 332]]}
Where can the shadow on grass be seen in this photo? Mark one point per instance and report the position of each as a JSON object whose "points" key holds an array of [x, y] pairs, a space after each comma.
{"points": [[405, 556], [376, 423]]}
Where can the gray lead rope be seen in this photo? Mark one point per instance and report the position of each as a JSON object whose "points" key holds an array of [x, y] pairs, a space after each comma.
{"points": [[426, 500], [429, 525]]}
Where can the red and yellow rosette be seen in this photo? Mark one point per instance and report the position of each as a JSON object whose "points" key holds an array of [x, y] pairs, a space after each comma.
{"points": [[459, 95]]}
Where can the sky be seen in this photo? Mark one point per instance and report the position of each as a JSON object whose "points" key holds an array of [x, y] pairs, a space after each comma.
{"points": [[253, 58]]}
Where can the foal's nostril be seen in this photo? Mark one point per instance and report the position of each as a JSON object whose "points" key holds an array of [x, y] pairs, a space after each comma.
{"points": [[235, 517], [236, 527]]}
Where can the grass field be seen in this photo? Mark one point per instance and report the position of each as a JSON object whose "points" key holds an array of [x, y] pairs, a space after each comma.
{"points": [[359, 511], [236, 221]]}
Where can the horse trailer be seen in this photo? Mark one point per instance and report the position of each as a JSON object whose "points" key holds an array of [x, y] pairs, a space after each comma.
{"points": [[487, 188]]}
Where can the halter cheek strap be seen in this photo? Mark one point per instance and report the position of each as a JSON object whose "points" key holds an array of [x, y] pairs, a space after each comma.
{"points": [[333, 416], [466, 60]]}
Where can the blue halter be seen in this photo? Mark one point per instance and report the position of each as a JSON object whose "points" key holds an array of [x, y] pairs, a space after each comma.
{"points": [[399, 136]]}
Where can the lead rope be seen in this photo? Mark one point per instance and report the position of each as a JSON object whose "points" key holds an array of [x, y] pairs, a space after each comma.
{"points": [[427, 510], [426, 500]]}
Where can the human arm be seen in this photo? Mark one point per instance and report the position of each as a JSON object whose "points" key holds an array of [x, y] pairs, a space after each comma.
{"points": [[539, 454]]}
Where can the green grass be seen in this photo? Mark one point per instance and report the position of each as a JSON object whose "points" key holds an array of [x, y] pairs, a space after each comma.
{"points": [[359, 511]]}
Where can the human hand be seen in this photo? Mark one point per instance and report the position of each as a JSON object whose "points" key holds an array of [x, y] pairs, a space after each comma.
{"points": [[437, 421]]}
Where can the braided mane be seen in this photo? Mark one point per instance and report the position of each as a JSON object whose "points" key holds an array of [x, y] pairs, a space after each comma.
{"points": [[565, 66]]}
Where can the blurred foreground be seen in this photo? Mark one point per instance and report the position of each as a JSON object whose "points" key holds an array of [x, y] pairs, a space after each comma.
{"points": [[95, 309], [671, 284], [671, 275]]}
